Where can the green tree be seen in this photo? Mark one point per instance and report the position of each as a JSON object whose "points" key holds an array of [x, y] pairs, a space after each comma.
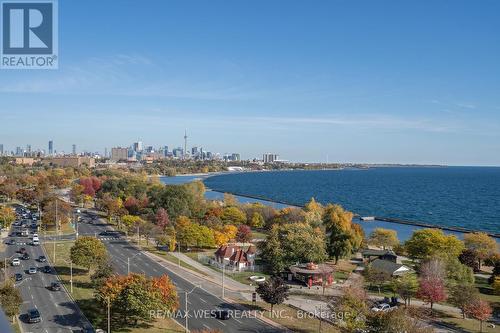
{"points": [[376, 277], [233, 215], [88, 252], [384, 238], [257, 220], [462, 295], [425, 243], [458, 273], [273, 291], [406, 287], [10, 299], [291, 243], [101, 274]]}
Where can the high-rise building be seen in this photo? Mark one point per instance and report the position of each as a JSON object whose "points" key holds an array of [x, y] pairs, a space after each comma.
{"points": [[19, 151], [235, 157], [270, 157], [51, 147], [74, 149], [137, 146], [165, 151], [1, 149], [185, 143], [119, 154], [178, 152], [105, 152], [28, 150]]}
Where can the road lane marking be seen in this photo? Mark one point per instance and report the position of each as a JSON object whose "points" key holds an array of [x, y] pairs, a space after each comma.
{"points": [[237, 320], [207, 327], [201, 299], [221, 322]]}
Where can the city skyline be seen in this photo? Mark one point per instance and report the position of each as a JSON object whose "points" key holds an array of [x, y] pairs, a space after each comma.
{"points": [[418, 86]]}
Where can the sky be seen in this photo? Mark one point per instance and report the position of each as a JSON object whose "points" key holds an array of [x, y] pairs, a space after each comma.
{"points": [[312, 81]]}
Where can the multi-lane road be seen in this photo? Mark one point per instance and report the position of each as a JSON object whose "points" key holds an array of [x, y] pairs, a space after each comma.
{"points": [[59, 314], [200, 301]]}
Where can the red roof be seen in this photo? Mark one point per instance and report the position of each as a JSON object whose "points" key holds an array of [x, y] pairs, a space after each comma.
{"points": [[239, 256]]}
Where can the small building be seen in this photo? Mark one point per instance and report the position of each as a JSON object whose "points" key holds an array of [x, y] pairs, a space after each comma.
{"points": [[311, 274], [235, 256], [390, 268], [28, 161], [371, 255]]}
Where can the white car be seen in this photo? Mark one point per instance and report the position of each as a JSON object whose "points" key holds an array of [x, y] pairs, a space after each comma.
{"points": [[35, 235], [383, 307], [32, 270], [16, 262]]}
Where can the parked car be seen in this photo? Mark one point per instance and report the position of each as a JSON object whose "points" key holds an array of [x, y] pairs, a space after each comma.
{"points": [[382, 307], [16, 262], [42, 259], [34, 316], [55, 286], [32, 270], [18, 277]]}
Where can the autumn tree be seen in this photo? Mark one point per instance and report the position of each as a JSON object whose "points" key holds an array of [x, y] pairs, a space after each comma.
{"points": [[482, 244], [88, 252], [161, 218], [431, 291], [469, 258], [244, 234], [353, 301], [425, 243], [479, 310], [273, 291], [7, 216], [56, 212], [111, 205], [10, 299], [384, 238]]}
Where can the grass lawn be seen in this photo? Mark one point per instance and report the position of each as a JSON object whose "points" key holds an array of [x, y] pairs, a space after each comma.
{"points": [[486, 292], [258, 234], [66, 229], [168, 256], [289, 318], [83, 293], [243, 277], [464, 325]]}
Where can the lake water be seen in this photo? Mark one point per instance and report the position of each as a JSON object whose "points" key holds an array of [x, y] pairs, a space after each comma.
{"points": [[467, 197]]}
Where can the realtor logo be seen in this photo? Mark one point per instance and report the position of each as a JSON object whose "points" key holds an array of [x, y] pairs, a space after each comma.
{"points": [[29, 34]]}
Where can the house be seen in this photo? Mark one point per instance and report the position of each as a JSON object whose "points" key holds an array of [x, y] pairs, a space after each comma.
{"points": [[389, 267], [311, 274], [235, 256], [371, 254]]}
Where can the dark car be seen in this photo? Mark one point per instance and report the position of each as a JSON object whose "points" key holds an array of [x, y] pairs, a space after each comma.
{"points": [[11, 242], [22, 250], [42, 259], [222, 314], [18, 277], [34, 316], [55, 286], [47, 269], [25, 256]]}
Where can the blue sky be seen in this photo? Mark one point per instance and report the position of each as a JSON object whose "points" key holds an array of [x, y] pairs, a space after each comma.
{"points": [[351, 81]]}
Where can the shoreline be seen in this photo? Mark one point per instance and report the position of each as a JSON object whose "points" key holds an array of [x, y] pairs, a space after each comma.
{"points": [[390, 220]]}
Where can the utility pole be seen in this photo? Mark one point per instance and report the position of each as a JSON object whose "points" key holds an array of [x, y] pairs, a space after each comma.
{"points": [[128, 266], [55, 236], [71, 274]]}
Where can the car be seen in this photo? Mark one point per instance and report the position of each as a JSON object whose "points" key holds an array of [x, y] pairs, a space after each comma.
{"points": [[25, 256], [18, 277], [16, 262], [34, 316], [35, 242], [47, 269], [22, 250], [221, 313], [55, 286], [35, 235], [382, 307], [32, 270], [42, 259], [11, 242]]}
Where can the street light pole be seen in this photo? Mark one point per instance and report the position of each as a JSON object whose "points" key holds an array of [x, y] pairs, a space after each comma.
{"points": [[71, 275], [186, 306], [109, 316], [223, 274], [128, 266]]}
